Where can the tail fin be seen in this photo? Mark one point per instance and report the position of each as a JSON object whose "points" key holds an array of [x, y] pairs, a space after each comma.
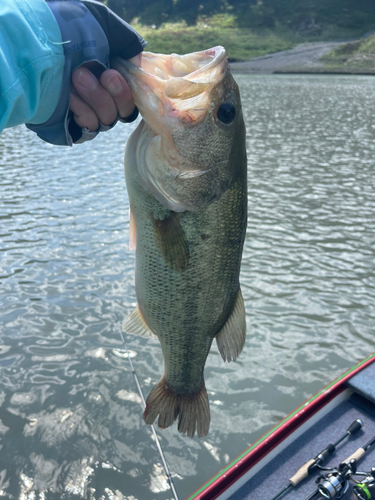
{"points": [[193, 411]]}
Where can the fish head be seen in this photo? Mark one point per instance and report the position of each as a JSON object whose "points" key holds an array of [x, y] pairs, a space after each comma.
{"points": [[194, 134]]}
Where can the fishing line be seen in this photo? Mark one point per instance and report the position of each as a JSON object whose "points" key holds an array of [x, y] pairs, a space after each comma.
{"points": [[158, 445]]}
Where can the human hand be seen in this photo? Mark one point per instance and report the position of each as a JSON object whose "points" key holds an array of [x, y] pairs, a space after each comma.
{"points": [[96, 101], [90, 33], [101, 99]]}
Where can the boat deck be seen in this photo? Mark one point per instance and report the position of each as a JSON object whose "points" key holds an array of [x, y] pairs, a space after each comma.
{"points": [[273, 477]]}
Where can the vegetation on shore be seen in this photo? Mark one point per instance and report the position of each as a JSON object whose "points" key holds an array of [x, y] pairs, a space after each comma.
{"points": [[241, 44], [354, 56], [247, 28]]}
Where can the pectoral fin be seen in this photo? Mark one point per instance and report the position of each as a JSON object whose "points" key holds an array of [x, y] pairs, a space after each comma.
{"points": [[231, 338], [172, 242], [136, 325]]}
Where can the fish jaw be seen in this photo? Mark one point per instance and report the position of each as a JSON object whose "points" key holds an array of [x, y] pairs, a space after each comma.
{"points": [[174, 90], [182, 146], [174, 93]]}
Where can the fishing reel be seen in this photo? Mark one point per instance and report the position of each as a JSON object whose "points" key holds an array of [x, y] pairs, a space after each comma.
{"points": [[336, 483], [366, 489]]}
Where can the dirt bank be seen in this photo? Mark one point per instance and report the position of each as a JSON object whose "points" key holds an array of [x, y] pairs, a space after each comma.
{"points": [[304, 58]]}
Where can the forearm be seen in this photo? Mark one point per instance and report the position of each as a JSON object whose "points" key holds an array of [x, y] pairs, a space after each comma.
{"points": [[31, 62], [41, 46]]}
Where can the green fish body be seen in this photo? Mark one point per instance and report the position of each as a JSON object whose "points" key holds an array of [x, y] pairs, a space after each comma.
{"points": [[189, 240]]}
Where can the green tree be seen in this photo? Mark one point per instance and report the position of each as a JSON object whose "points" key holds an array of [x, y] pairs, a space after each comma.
{"points": [[190, 10], [156, 12], [127, 9]]}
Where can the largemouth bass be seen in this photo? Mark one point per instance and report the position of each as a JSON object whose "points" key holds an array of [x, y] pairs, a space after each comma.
{"points": [[185, 169]]}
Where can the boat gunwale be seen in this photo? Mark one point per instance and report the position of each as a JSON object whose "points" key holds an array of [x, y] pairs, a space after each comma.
{"points": [[272, 438]]}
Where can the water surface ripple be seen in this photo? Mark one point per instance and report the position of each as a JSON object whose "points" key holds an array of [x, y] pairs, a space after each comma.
{"points": [[70, 416]]}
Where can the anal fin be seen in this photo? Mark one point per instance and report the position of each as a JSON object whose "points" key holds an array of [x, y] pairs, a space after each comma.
{"points": [[136, 325], [231, 338]]}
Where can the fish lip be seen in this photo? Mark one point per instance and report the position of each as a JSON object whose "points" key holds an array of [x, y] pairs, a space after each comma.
{"points": [[173, 90], [219, 55], [131, 71]]}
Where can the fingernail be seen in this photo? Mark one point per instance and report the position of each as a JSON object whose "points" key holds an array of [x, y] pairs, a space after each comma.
{"points": [[87, 79], [114, 84]]}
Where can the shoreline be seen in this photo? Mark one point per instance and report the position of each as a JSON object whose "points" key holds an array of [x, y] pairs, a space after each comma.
{"points": [[302, 59]]}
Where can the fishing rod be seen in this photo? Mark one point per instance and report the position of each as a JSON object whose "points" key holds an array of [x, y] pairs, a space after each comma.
{"points": [[304, 471], [158, 445], [336, 483]]}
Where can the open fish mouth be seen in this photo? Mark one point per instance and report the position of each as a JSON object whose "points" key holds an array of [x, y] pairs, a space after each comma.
{"points": [[174, 87]]}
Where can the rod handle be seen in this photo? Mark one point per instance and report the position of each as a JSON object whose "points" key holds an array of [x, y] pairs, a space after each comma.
{"points": [[358, 454], [302, 473]]}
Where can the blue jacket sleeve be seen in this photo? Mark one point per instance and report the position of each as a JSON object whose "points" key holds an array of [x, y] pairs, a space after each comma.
{"points": [[90, 32], [31, 62]]}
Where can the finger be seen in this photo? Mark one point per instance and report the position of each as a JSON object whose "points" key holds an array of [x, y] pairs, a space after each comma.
{"points": [[97, 97], [120, 92], [136, 60], [84, 116]]}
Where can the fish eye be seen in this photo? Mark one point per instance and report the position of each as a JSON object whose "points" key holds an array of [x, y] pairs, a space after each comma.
{"points": [[226, 113]]}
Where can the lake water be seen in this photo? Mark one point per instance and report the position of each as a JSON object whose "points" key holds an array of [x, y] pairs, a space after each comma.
{"points": [[70, 414]]}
